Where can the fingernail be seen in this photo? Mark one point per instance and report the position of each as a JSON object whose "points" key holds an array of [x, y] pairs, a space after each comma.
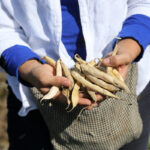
{"points": [[66, 82], [106, 61], [89, 103]]}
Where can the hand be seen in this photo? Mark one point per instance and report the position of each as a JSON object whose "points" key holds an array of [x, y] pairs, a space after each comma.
{"points": [[128, 51], [84, 100], [42, 76]]}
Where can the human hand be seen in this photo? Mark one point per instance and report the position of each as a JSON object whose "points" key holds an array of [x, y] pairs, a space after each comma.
{"points": [[43, 77], [128, 51], [90, 103], [83, 100]]}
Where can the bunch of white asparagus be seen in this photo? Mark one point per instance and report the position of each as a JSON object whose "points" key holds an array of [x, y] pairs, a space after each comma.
{"points": [[88, 76]]}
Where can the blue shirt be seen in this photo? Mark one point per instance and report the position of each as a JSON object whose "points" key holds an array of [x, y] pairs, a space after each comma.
{"points": [[72, 36]]}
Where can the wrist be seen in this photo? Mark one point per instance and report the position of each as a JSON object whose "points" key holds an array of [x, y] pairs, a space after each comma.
{"points": [[129, 46], [25, 69]]}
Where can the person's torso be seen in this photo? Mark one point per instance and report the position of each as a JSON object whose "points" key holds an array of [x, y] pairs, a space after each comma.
{"points": [[41, 22]]}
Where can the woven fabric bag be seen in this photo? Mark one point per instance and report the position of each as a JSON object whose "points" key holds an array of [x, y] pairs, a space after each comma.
{"points": [[107, 127]]}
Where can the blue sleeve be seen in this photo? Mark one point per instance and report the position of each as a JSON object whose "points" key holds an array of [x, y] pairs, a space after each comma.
{"points": [[13, 57], [137, 27]]}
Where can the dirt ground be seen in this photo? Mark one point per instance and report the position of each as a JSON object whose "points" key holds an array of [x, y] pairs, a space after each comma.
{"points": [[3, 113]]}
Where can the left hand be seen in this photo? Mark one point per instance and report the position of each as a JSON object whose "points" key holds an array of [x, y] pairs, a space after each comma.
{"points": [[128, 51]]}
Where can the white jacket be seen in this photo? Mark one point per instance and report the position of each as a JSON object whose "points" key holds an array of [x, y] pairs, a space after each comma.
{"points": [[38, 25]]}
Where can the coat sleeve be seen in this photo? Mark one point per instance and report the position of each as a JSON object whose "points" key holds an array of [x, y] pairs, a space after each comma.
{"points": [[138, 7], [10, 31]]}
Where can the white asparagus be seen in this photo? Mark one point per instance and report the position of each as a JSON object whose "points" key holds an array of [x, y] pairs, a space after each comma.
{"points": [[51, 94], [113, 71], [66, 93], [104, 76], [115, 50], [92, 94], [75, 95], [97, 81], [117, 75], [67, 73], [92, 63], [54, 89], [102, 83], [79, 59], [77, 66], [88, 84], [50, 61], [58, 68], [110, 69]]}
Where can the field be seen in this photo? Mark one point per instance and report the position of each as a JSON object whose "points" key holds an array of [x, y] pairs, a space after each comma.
{"points": [[3, 114]]}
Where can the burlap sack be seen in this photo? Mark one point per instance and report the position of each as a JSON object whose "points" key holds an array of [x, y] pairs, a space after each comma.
{"points": [[107, 127]]}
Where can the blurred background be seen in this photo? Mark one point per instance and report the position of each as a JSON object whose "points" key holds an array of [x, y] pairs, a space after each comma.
{"points": [[3, 114]]}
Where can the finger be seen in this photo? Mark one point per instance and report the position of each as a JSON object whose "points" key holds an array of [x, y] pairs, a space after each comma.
{"points": [[50, 68], [84, 101], [118, 60], [59, 81], [99, 97], [44, 90], [123, 70], [92, 106], [83, 95]]}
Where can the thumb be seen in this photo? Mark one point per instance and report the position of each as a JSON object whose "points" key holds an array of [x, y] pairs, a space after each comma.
{"points": [[118, 60], [59, 81]]}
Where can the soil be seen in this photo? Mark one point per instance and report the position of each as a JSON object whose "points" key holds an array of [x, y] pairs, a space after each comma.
{"points": [[3, 113]]}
